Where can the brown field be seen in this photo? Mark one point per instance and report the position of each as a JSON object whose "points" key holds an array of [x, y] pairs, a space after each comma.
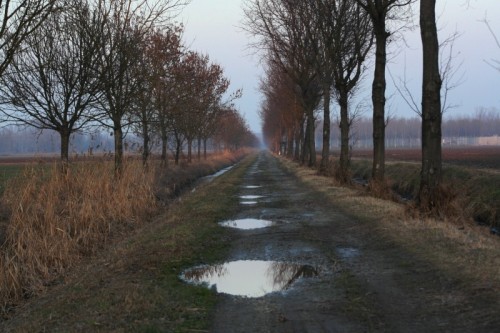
{"points": [[473, 156]]}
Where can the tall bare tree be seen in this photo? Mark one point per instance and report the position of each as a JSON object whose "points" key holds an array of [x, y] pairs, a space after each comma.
{"points": [[380, 11], [281, 30], [125, 24], [164, 52], [18, 19], [52, 83], [431, 173], [353, 39]]}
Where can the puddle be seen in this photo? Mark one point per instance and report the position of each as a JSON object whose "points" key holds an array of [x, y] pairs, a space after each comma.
{"points": [[251, 197], [250, 278], [247, 224], [248, 203], [347, 252], [251, 187], [218, 173]]}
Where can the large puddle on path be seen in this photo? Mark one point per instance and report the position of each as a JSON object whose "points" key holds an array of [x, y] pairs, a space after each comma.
{"points": [[248, 203], [250, 278], [247, 224], [250, 197]]}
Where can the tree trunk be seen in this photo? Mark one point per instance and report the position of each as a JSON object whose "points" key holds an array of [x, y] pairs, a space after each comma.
{"points": [[177, 152], [344, 139], [431, 173], [305, 143], [378, 100], [325, 155], [190, 147], [205, 149], [299, 134], [289, 138], [145, 142], [199, 149], [164, 142], [118, 133], [312, 139], [164, 154], [65, 134]]}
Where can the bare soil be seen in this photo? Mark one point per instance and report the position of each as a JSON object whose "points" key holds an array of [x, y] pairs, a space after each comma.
{"points": [[487, 157]]}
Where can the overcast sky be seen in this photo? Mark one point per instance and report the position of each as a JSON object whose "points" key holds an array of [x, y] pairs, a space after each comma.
{"points": [[214, 27]]}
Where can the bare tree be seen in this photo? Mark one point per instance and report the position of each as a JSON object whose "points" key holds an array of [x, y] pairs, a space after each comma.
{"points": [[282, 29], [380, 11], [494, 63], [431, 173], [164, 51], [125, 23], [18, 20], [52, 83], [353, 40]]}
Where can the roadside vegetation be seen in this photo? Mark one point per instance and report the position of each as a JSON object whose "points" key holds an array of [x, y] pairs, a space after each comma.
{"points": [[472, 194], [53, 219], [468, 254]]}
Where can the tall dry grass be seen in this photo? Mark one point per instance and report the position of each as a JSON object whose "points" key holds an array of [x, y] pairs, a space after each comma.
{"points": [[56, 218]]}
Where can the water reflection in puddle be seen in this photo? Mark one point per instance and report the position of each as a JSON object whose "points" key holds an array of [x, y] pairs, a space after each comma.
{"points": [[247, 224], [251, 187], [218, 173], [248, 203], [347, 252], [250, 278], [250, 197]]}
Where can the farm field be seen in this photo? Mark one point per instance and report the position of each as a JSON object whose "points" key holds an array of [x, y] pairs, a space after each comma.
{"points": [[474, 156], [471, 174]]}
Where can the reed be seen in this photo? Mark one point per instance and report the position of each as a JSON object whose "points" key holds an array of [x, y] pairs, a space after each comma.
{"points": [[57, 218]]}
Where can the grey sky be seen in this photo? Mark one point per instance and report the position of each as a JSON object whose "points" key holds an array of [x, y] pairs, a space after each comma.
{"points": [[214, 27]]}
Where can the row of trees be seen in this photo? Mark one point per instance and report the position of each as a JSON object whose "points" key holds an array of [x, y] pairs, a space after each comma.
{"points": [[316, 50], [118, 65], [406, 132]]}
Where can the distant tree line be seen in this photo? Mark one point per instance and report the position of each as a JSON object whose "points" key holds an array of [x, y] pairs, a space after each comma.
{"points": [[119, 66], [406, 132]]}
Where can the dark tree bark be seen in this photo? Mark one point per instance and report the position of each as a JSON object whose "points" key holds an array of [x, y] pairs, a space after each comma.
{"points": [[145, 141], [325, 154], [118, 133], [378, 11], [65, 135], [431, 173], [343, 175], [378, 100]]}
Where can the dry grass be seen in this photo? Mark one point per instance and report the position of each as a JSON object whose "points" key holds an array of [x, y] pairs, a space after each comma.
{"points": [[56, 219], [464, 250]]}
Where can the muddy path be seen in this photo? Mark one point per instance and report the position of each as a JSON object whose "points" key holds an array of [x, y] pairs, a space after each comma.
{"points": [[361, 281]]}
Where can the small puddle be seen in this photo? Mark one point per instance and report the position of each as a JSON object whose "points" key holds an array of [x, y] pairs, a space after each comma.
{"points": [[248, 203], [347, 252], [247, 224], [211, 177], [250, 278], [251, 187], [250, 197]]}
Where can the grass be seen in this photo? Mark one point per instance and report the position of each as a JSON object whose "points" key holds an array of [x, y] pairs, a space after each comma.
{"points": [[134, 286], [55, 220], [476, 192], [464, 251]]}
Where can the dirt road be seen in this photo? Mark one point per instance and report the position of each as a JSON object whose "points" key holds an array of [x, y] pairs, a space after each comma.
{"points": [[361, 282]]}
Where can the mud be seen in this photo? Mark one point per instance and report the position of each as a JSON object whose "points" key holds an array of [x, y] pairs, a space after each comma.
{"points": [[365, 283]]}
